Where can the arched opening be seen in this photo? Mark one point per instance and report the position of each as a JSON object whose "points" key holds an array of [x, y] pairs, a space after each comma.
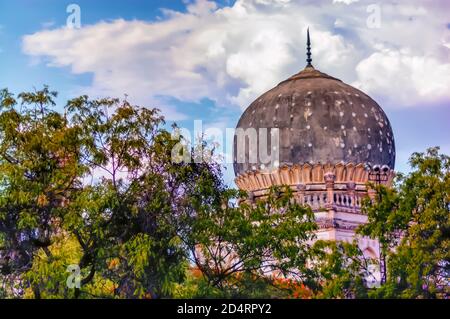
{"points": [[373, 277]]}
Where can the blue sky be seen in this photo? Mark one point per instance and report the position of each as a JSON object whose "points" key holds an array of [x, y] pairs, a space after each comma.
{"points": [[205, 60], [21, 17]]}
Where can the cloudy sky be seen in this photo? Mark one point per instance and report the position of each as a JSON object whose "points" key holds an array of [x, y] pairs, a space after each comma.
{"points": [[208, 60]]}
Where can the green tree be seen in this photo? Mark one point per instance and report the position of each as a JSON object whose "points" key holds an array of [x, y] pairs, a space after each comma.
{"points": [[420, 265], [413, 221], [102, 175], [342, 270], [127, 215], [39, 172], [238, 246], [384, 222]]}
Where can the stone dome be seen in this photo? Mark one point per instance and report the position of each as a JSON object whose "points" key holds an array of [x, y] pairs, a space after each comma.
{"points": [[320, 120]]}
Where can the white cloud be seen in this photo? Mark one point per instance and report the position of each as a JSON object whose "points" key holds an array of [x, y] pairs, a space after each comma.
{"points": [[273, 2], [404, 78], [48, 24], [345, 1], [233, 54]]}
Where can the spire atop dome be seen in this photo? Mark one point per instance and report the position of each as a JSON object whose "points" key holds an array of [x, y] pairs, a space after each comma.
{"points": [[308, 50]]}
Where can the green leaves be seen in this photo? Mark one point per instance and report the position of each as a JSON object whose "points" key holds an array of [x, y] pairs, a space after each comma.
{"points": [[227, 241], [38, 102], [137, 196], [412, 223], [7, 100], [341, 270], [39, 172]]}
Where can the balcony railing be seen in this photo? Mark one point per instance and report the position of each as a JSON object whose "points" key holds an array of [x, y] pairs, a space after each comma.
{"points": [[343, 201]]}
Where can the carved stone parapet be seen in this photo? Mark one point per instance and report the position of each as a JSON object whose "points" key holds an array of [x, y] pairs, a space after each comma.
{"points": [[329, 178], [307, 174], [351, 186], [301, 193]]}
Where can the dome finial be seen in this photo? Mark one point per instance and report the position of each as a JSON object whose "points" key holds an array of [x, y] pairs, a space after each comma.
{"points": [[308, 50]]}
